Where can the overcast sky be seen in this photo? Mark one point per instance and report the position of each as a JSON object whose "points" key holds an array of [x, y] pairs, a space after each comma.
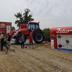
{"points": [[50, 13]]}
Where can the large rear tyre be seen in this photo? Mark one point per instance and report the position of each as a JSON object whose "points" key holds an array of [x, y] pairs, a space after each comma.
{"points": [[38, 36]]}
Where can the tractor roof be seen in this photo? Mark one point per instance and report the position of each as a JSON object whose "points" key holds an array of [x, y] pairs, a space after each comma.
{"points": [[34, 21]]}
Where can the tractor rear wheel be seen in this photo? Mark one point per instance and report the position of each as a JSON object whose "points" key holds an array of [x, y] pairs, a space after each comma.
{"points": [[38, 36]]}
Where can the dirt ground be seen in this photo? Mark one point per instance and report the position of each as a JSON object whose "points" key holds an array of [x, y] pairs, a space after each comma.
{"points": [[39, 59]]}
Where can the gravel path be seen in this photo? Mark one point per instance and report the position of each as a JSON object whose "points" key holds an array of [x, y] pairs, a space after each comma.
{"points": [[40, 59]]}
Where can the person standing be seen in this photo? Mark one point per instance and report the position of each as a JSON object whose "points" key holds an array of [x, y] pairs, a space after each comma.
{"points": [[2, 41], [21, 40], [31, 40], [6, 43]]}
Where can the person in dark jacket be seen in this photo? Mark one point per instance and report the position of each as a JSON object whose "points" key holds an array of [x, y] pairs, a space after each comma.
{"points": [[6, 43], [1, 41], [21, 40]]}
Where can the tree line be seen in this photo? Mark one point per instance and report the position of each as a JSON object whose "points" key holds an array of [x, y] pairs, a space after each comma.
{"points": [[46, 32]]}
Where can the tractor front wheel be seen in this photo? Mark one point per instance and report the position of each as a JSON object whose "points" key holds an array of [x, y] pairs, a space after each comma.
{"points": [[18, 37]]}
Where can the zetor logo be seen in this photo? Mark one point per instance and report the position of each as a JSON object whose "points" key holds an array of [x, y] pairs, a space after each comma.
{"points": [[61, 30]]}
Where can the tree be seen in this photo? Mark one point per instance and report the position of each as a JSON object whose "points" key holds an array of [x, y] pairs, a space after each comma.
{"points": [[23, 18], [46, 34]]}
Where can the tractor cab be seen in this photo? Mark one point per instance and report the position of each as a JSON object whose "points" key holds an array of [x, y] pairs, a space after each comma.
{"points": [[33, 26]]}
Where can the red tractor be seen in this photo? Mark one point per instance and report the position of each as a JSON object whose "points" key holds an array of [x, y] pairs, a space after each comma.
{"points": [[25, 29]]}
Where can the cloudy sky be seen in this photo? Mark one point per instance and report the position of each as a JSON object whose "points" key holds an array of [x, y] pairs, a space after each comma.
{"points": [[50, 13]]}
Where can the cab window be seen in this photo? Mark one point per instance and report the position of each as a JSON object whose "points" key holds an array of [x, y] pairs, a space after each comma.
{"points": [[33, 26]]}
